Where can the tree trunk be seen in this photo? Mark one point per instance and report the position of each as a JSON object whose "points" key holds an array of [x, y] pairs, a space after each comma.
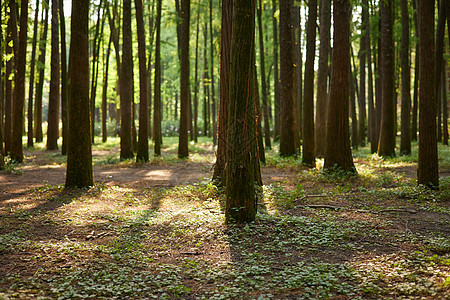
{"points": [[427, 172], [258, 128], [444, 104], [309, 144], [405, 127], [440, 34], [126, 82], [213, 97], [354, 118], [416, 77], [195, 116], [19, 86], [372, 115], [10, 65], [104, 93], [241, 203], [142, 150], [338, 153], [287, 133], [31, 82], [64, 81], [276, 82], [362, 88], [322, 78], [157, 90], [183, 149], [263, 79], [79, 152], [224, 90], [39, 88], [54, 97], [386, 144]]}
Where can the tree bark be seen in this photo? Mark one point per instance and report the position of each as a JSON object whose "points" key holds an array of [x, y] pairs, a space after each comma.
{"points": [[386, 144], [362, 88], [287, 138], [372, 115], [79, 152], [157, 90], [405, 127], [276, 82], [427, 172], [416, 76], [54, 97], [10, 65], [440, 34], [338, 153], [183, 149], [126, 93], [322, 78], [213, 97], [19, 86], [240, 193], [64, 81], [104, 93], [309, 144]]}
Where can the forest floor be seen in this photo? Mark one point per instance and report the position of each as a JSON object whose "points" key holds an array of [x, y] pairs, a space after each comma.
{"points": [[156, 230]]}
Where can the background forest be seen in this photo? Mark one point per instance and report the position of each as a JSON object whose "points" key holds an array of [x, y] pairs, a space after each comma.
{"points": [[217, 149]]}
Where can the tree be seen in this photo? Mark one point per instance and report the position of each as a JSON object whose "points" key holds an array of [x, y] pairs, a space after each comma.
{"points": [[195, 116], [19, 85], [64, 81], [104, 92], [427, 172], [386, 143], [405, 143], [213, 97], [440, 35], [372, 115], [224, 90], [183, 149], [79, 152], [322, 78], [309, 144], [126, 93], [12, 54], [287, 131], [338, 153], [276, 82], [416, 76], [157, 89], [53, 103], [240, 193], [362, 85], [142, 151]]}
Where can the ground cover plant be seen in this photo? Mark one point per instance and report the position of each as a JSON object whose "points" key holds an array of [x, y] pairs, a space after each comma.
{"points": [[156, 230]]}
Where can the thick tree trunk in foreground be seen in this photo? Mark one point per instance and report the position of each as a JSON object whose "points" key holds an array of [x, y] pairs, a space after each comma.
{"points": [[427, 172], [287, 132], [309, 143], [386, 144], [240, 196], [126, 93], [224, 90], [338, 152], [79, 151], [183, 149], [142, 150], [53, 103], [19, 86], [405, 143], [322, 78]]}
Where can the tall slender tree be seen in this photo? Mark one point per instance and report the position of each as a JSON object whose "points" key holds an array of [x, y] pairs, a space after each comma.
{"points": [[195, 113], [104, 92], [11, 52], [287, 140], [416, 76], [440, 35], [338, 152], [183, 149], [64, 81], [362, 84], [19, 85], [370, 97], [157, 90], [386, 144], [213, 96], [405, 143], [276, 82], [240, 193], [322, 78], [79, 152], [54, 97], [309, 144], [126, 93], [427, 172]]}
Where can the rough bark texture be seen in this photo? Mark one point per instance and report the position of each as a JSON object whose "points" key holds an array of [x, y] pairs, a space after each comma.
{"points": [[126, 93], [276, 82], [157, 89], [79, 153], [440, 34], [240, 195], [40, 85], [354, 137], [19, 86], [54, 97], [262, 64], [64, 81], [224, 89], [309, 144], [370, 97], [258, 128], [405, 127], [386, 144], [142, 150], [322, 78], [183, 149], [427, 172], [287, 139], [338, 152]]}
